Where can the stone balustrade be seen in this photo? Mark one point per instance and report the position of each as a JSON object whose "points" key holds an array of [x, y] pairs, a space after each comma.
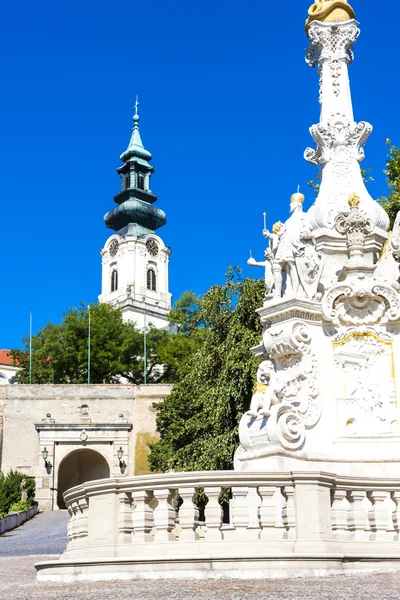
{"points": [[176, 520]]}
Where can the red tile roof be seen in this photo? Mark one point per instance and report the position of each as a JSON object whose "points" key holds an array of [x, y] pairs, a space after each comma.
{"points": [[5, 358]]}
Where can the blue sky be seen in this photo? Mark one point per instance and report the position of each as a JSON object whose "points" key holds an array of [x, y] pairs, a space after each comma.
{"points": [[226, 101]]}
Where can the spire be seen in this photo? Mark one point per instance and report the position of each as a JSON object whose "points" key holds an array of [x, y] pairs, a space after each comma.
{"points": [[136, 148], [135, 214]]}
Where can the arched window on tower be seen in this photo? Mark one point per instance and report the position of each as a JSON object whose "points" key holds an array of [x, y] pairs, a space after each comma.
{"points": [[140, 181], [114, 280], [127, 181], [151, 280]]}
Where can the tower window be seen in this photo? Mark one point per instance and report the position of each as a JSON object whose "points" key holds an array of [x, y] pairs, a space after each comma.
{"points": [[140, 181], [151, 280], [114, 280], [127, 182]]}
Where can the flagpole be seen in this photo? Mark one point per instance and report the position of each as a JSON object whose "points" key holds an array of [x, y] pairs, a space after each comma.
{"points": [[144, 346], [144, 340], [89, 347], [30, 347]]}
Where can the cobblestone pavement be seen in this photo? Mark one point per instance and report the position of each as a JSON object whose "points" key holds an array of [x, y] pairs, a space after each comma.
{"points": [[46, 533], [17, 578]]}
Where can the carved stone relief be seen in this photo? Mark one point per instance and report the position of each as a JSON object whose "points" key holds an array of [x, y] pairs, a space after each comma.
{"points": [[365, 386], [286, 400]]}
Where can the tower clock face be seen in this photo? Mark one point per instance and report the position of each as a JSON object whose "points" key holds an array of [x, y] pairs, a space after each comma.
{"points": [[152, 247], [113, 248]]}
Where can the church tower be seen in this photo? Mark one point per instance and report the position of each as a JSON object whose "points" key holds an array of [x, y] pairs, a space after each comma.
{"points": [[135, 259]]}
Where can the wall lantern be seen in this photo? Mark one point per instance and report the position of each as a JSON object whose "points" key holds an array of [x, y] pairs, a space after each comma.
{"points": [[122, 463], [47, 463]]}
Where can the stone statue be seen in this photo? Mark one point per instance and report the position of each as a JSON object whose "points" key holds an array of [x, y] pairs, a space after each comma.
{"points": [[24, 493], [295, 254], [269, 255], [387, 268], [264, 392]]}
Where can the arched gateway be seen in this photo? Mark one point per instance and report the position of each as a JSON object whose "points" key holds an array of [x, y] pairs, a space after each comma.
{"points": [[80, 466]]}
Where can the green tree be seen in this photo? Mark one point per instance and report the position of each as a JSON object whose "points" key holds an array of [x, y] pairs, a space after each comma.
{"points": [[391, 202], [60, 352], [198, 422]]}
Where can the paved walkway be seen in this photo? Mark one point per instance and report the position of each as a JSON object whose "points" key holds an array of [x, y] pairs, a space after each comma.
{"points": [[46, 533], [17, 582], [45, 536]]}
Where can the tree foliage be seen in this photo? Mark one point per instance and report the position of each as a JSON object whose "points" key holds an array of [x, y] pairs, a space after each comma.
{"points": [[391, 202], [60, 352], [198, 422], [10, 490]]}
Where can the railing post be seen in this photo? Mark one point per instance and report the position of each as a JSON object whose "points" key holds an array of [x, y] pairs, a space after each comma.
{"points": [[164, 516], [213, 513], [142, 516], [357, 515], [339, 515], [269, 527], [188, 514], [125, 521], [312, 500]]}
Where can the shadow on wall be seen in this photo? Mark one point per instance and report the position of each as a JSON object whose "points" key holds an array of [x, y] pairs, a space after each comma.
{"points": [[80, 466]]}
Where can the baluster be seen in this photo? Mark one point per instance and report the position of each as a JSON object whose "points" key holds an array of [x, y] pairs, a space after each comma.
{"points": [[213, 514], [74, 524], [84, 517], [270, 530], [357, 515], [142, 516], [240, 515], [289, 514], [69, 527], [339, 515], [164, 515], [125, 521], [396, 514], [188, 514], [378, 515]]}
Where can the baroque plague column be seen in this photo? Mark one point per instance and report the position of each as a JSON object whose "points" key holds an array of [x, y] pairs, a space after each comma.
{"points": [[327, 396]]}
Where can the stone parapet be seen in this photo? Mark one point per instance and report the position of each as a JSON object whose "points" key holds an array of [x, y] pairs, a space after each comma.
{"points": [[150, 527], [15, 519]]}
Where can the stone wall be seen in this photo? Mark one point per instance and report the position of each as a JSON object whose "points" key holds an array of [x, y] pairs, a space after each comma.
{"points": [[68, 418]]}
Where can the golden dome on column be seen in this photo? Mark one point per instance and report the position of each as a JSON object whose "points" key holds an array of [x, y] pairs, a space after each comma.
{"points": [[330, 10]]}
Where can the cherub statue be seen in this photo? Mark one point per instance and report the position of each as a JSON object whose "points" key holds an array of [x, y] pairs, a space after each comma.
{"points": [[264, 391]]}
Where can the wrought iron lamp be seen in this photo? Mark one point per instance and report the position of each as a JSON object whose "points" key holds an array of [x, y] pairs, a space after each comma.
{"points": [[47, 463], [122, 463]]}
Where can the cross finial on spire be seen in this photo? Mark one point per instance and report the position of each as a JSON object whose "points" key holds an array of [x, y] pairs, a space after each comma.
{"points": [[298, 189], [136, 105]]}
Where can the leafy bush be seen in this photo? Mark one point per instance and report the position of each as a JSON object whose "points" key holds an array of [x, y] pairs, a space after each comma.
{"points": [[10, 490], [19, 506]]}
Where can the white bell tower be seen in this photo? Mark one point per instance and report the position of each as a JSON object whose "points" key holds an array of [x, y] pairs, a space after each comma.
{"points": [[135, 259]]}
